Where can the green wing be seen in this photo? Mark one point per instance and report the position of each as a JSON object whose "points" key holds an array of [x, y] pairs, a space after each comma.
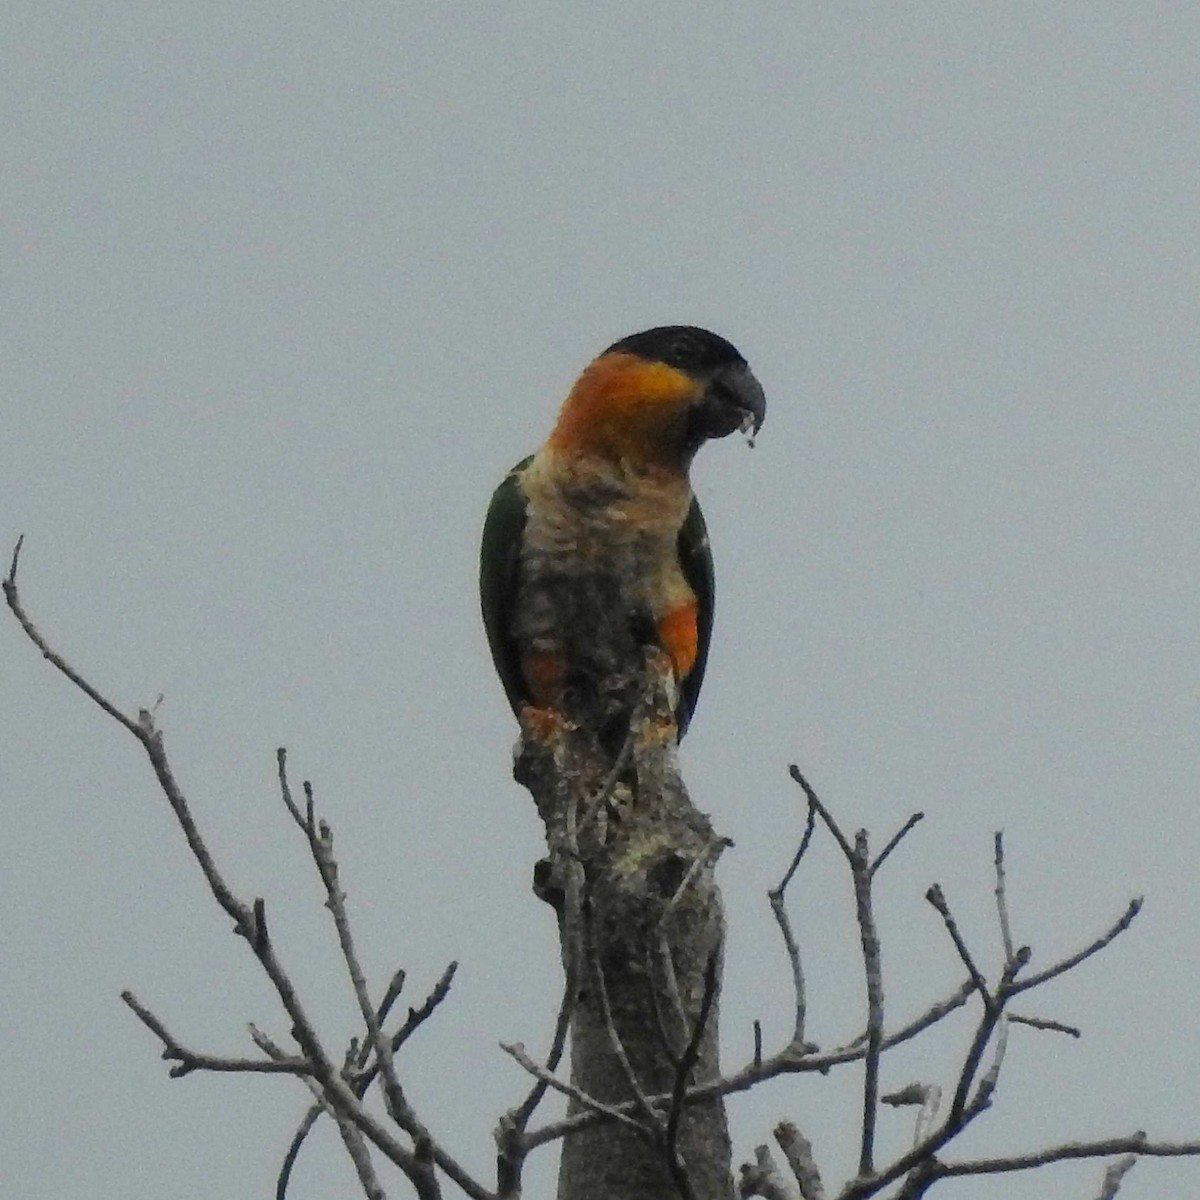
{"points": [[695, 557], [499, 557]]}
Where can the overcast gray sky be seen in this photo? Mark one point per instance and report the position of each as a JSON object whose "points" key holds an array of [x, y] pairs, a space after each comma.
{"points": [[287, 288]]}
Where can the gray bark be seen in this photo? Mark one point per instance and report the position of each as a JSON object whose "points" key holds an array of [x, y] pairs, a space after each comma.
{"points": [[630, 871]]}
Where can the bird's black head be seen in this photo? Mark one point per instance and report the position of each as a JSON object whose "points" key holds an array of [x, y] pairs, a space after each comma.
{"points": [[731, 398], [687, 347]]}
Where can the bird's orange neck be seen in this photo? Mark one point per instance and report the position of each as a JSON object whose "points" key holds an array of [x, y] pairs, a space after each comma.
{"points": [[624, 408]]}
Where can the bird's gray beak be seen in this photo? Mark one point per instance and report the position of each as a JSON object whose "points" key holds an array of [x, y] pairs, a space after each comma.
{"points": [[747, 395], [732, 399], [740, 399]]}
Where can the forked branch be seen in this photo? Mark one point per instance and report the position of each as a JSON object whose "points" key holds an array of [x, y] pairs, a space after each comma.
{"points": [[922, 1166], [313, 1064]]}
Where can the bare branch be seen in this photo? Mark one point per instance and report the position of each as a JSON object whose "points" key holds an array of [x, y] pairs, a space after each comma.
{"points": [[1002, 898], [562, 1024], [653, 1116], [765, 1179], [711, 852], [992, 1012], [612, 1112], [250, 923], [186, 1061], [1117, 1171], [293, 1150], [873, 970], [935, 897], [320, 843], [352, 1138], [897, 838], [418, 1016], [359, 1059], [987, 1085], [56, 660], [931, 1016], [787, 1062], [1046, 1023], [798, 1151], [776, 898], [303, 822], [683, 1073], [510, 1129], [1060, 968], [858, 856], [825, 814], [16, 554], [798, 985], [1137, 1144], [810, 822]]}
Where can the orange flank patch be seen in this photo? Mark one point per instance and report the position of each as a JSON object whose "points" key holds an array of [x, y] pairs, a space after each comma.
{"points": [[544, 671], [680, 637], [625, 407]]}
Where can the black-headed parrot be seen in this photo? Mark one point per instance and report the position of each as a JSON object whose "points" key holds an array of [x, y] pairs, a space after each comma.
{"points": [[595, 547]]}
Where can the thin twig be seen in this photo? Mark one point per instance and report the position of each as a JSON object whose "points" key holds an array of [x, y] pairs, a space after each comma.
{"points": [[962, 1108], [936, 897], [1118, 927], [1002, 897], [683, 1073], [1046, 1023], [56, 660], [775, 897], [364, 1080], [712, 850], [810, 822], [928, 1113], [320, 844], [612, 1112], [1136, 1143], [661, 978], [562, 1024], [352, 1138], [918, 1163], [825, 814], [652, 1115], [858, 856], [799, 992], [934, 1013], [1117, 1171], [186, 1061], [873, 970], [897, 838], [293, 1151], [305, 824], [987, 1085], [416, 1017], [787, 1062]]}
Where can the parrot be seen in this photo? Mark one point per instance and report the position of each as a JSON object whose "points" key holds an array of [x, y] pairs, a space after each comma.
{"points": [[594, 548]]}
